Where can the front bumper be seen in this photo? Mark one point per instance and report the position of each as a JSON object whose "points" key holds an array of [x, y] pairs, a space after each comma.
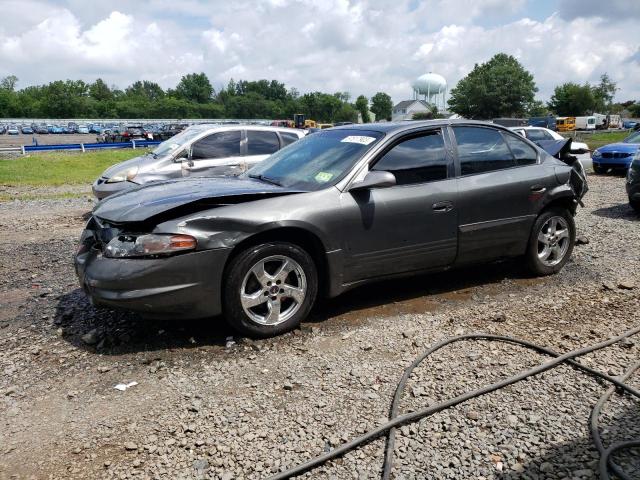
{"points": [[102, 189], [614, 163], [186, 286]]}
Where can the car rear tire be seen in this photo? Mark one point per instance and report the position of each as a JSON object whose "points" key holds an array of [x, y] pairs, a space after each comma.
{"points": [[551, 242], [270, 289]]}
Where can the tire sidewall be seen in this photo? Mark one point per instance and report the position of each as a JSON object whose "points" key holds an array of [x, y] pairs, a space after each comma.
{"points": [[534, 264], [238, 267]]}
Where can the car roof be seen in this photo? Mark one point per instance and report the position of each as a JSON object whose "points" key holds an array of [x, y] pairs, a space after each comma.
{"points": [[202, 127], [393, 127]]}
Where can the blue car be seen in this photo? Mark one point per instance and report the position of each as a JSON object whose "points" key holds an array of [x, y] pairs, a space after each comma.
{"points": [[616, 156]]}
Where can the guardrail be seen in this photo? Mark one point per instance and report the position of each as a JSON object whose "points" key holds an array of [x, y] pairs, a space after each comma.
{"points": [[80, 146]]}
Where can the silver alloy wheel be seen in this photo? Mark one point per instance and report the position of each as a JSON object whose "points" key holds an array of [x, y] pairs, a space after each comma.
{"points": [[273, 290], [553, 241]]}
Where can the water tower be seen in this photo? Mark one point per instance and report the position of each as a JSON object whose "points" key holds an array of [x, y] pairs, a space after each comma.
{"points": [[432, 88]]}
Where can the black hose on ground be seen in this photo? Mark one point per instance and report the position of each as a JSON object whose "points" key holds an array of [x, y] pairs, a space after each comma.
{"points": [[396, 421]]}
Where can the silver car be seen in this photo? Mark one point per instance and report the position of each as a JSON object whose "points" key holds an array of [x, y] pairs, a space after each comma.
{"points": [[198, 151]]}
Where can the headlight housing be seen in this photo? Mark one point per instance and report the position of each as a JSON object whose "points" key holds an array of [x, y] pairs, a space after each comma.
{"points": [[123, 175], [148, 245], [596, 153]]}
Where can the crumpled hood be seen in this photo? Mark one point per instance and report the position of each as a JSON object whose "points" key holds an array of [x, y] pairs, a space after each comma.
{"points": [[620, 147], [140, 204]]}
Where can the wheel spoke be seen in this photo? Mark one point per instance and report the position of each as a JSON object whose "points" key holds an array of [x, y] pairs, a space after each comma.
{"points": [[564, 233], [284, 271], [295, 293], [553, 224], [274, 312], [253, 299], [544, 254], [260, 273], [542, 238]]}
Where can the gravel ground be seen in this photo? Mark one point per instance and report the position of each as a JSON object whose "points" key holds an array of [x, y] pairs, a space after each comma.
{"points": [[204, 407]]}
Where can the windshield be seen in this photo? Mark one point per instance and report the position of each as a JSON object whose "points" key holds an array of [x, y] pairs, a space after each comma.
{"points": [[316, 161], [177, 141], [633, 138]]}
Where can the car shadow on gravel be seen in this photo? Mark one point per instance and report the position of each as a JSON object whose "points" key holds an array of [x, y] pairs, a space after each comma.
{"points": [[621, 211], [112, 332], [422, 293], [579, 458]]}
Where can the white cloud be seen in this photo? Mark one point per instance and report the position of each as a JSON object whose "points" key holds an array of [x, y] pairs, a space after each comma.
{"points": [[360, 46]]}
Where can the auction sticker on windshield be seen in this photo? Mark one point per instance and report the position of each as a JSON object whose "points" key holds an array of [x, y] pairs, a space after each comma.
{"points": [[361, 139], [323, 177]]}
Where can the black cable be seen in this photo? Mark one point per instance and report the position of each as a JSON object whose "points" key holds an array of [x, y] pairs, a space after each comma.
{"points": [[397, 421], [606, 455]]}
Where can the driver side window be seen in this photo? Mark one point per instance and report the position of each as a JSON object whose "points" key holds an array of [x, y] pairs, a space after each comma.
{"points": [[217, 145]]}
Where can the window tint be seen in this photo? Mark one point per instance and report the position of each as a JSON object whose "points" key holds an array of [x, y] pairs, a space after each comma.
{"points": [[288, 137], [417, 160], [217, 145], [536, 135], [261, 142], [482, 150], [523, 153]]}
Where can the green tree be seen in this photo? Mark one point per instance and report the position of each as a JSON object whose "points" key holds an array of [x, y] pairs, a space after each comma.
{"points": [[146, 90], [499, 88], [100, 91], [362, 105], [382, 106], [634, 110], [536, 109], [9, 83], [603, 94], [195, 87], [426, 115], [571, 99]]}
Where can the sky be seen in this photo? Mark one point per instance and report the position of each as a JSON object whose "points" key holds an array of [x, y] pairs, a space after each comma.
{"points": [[358, 46]]}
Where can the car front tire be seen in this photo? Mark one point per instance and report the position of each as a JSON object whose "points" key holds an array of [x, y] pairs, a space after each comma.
{"points": [[598, 169], [551, 242], [270, 289], [635, 204]]}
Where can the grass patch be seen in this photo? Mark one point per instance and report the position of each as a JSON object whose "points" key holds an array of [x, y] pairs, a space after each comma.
{"points": [[597, 140], [60, 168]]}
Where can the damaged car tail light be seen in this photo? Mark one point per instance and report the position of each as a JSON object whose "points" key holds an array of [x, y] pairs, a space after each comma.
{"points": [[124, 246]]}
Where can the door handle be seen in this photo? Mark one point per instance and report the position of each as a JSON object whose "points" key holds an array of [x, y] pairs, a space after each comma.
{"points": [[442, 207], [538, 189]]}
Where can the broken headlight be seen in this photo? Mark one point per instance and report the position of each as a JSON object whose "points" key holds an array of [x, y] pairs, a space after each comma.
{"points": [[126, 246], [123, 175]]}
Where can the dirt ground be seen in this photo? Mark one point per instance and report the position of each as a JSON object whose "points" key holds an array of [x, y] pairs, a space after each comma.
{"points": [[207, 406]]}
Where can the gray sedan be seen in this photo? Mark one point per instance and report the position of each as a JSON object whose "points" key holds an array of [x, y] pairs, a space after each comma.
{"points": [[334, 210], [200, 150]]}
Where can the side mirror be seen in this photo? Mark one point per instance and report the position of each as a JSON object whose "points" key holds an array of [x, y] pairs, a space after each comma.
{"points": [[375, 179]]}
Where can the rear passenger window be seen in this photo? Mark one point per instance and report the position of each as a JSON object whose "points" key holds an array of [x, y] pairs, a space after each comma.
{"points": [[416, 160], [288, 137], [217, 145], [524, 153], [482, 150], [262, 142]]}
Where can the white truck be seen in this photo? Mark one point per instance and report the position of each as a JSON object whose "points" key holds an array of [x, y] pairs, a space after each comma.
{"points": [[586, 123]]}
